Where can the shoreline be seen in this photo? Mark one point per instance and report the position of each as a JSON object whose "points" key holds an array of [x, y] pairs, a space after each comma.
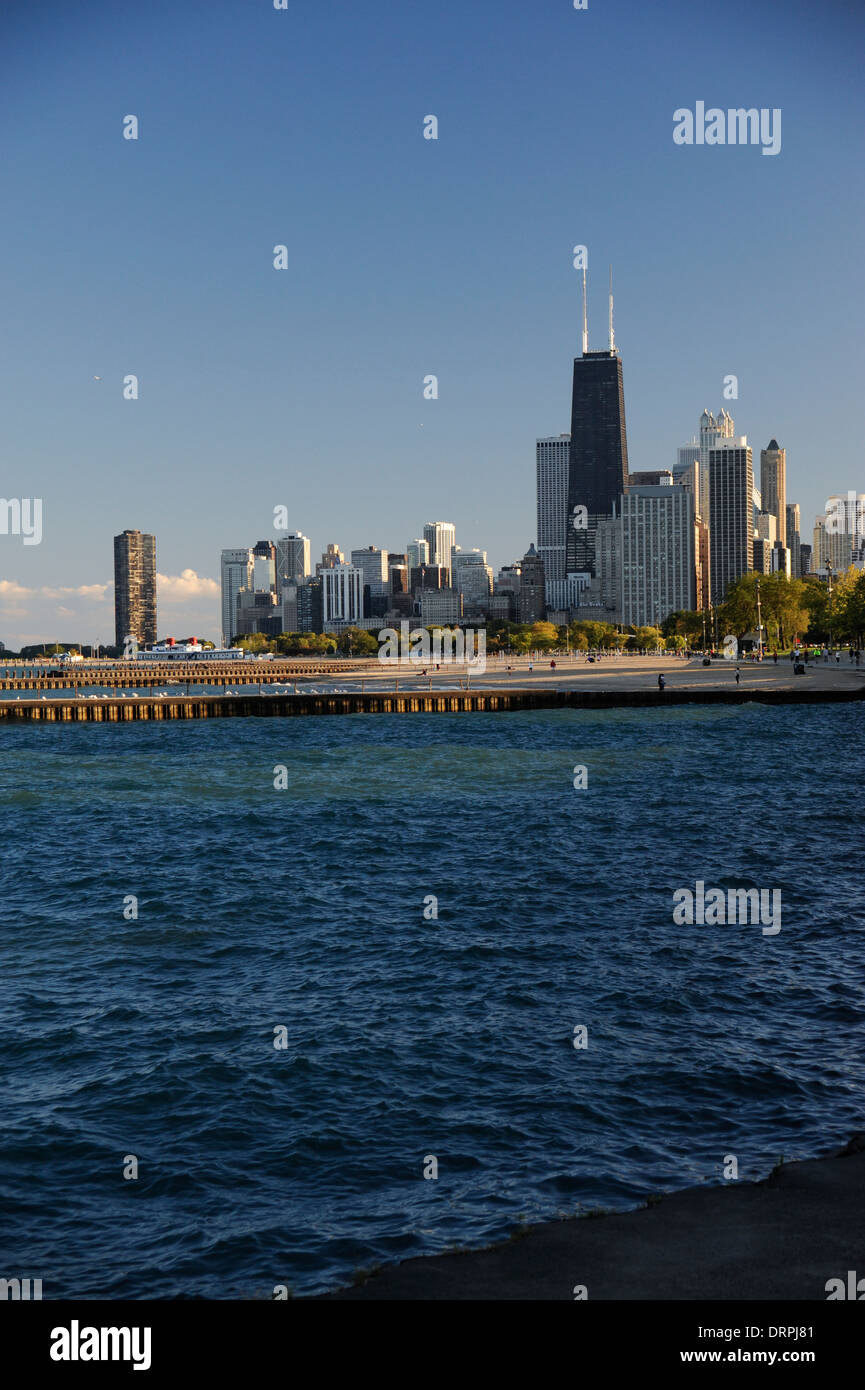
{"points": [[781, 1238]]}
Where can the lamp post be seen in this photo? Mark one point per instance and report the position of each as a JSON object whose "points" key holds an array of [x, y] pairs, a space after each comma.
{"points": [[759, 626]]}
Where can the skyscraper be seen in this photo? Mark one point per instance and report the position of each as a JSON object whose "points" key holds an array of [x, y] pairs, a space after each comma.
{"points": [[659, 554], [687, 455], [794, 537], [712, 432], [552, 458], [342, 595], [773, 485], [417, 553], [292, 560], [372, 562], [839, 533], [236, 573], [441, 537], [532, 601], [264, 562], [598, 459], [731, 506], [332, 557], [135, 588], [472, 577]]}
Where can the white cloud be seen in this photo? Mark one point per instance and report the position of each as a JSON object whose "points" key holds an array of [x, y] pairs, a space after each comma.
{"points": [[180, 588], [10, 590], [187, 604]]}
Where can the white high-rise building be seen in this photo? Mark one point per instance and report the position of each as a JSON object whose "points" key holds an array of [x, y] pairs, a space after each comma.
{"points": [[441, 538], [292, 560], [236, 573], [839, 533], [657, 554], [416, 554], [341, 595], [551, 466]]}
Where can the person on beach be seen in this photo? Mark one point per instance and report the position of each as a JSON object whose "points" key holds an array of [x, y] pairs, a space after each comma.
{"points": [[661, 682], [737, 675]]}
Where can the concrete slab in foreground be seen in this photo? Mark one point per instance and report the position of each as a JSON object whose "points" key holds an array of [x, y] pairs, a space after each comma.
{"points": [[782, 1238]]}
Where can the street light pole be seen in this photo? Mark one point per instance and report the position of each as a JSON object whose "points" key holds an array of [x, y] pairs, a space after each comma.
{"points": [[759, 625]]}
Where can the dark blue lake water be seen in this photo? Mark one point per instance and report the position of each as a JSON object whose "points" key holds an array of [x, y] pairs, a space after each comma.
{"points": [[303, 910]]}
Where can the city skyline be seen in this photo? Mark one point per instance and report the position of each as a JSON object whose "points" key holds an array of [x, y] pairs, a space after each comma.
{"points": [[552, 456], [261, 387]]}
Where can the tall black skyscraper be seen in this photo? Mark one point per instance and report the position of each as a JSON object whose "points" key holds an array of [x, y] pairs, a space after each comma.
{"points": [[598, 461]]}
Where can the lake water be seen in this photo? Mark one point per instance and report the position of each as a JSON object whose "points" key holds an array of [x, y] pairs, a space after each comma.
{"points": [[407, 1036]]}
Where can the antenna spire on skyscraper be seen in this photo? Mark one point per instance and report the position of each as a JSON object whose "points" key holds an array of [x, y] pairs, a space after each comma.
{"points": [[585, 319], [612, 335]]}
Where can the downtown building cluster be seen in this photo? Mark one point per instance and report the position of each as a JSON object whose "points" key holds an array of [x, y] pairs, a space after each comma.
{"points": [[620, 546], [271, 587], [631, 547]]}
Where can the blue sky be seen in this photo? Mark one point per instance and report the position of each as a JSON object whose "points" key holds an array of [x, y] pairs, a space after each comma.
{"points": [[406, 257]]}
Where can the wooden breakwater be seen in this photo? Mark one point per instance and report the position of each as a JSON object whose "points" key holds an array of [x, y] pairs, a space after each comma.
{"points": [[128, 709], [144, 676]]}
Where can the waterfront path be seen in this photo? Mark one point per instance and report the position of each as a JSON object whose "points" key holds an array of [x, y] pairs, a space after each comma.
{"points": [[378, 689]]}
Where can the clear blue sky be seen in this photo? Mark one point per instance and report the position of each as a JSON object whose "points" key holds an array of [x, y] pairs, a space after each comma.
{"points": [[407, 257]]}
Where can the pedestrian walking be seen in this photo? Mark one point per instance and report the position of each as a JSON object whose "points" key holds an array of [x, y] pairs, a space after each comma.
{"points": [[737, 675]]}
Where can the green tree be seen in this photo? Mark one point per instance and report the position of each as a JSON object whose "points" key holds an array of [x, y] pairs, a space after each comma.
{"points": [[521, 637], [846, 612], [356, 641], [255, 643], [684, 623], [646, 637], [784, 608], [543, 636]]}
